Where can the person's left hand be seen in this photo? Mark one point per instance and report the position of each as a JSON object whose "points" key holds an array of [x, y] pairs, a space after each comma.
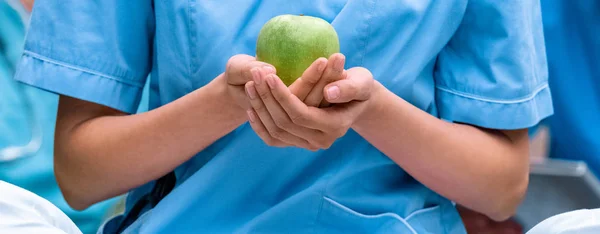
{"points": [[281, 119]]}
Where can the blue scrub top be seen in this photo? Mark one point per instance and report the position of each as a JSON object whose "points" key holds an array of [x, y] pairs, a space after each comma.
{"points": [[572, 31], [27, 113], [480, 62]]}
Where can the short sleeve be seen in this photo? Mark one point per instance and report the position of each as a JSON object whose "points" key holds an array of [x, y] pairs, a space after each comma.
{"points": [[493, 71], [99, 51]]}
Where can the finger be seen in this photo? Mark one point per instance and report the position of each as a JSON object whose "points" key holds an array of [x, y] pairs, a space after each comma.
{"points": [[298, 112], [303, 85], [333, 72], [280, 116], [239, 66], [356, 87], [261, 131], [258, 92]]}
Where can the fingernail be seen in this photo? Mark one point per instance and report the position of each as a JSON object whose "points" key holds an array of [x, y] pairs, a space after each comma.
{"points": [[269, 69], [271, 81], [251, 116], [251, 91], [256, 75], [333, 92], [339, 64]]}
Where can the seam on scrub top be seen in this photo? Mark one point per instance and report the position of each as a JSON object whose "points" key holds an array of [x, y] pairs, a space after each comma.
{"points": [[367, 32], [529, 97], [324, 191], [81, 69], [191, 36], [421, 211], [338, 168], [192, 45], [392, 215]]}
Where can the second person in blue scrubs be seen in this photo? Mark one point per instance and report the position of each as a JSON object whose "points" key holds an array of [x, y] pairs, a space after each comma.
{"points": [[432, 107]]}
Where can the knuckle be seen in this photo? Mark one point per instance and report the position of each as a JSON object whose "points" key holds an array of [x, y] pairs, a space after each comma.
{"points": [[303, 144], [264, 95], [362, 69], [299, 119], [366, 71], [258, 107], [345, 124], [270, 142], [264, 135], [312, 147], [282, 122], [309, 80], [276, 133], [280, 97], [233, 61], [323, 143], [329, 142], [230, 64], [341, 132], [353, 88]]}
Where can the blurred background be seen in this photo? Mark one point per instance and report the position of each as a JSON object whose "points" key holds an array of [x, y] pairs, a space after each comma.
{"points": [[565, 149], [27, 118]]}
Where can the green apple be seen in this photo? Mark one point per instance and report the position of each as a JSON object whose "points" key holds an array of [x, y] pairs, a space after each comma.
{"points": [[292, 43]]}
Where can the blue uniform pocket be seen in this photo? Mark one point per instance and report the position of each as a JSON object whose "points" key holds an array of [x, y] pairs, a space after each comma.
{"points": [[337, 218]]}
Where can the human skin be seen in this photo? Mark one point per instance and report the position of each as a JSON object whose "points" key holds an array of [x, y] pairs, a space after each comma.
{"points": [[101, 152], [28, 4], [485, 170]]}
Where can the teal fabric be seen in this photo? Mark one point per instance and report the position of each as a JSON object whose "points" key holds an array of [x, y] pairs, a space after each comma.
{"points": [[27, 113], [480, 62]]}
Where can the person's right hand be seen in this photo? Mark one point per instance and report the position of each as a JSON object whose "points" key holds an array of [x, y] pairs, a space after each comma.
{"points": [[238, 72], [309, 87]]}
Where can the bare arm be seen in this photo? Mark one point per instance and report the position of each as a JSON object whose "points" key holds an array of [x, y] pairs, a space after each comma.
{"points": [[484, 170], [101, 152]]}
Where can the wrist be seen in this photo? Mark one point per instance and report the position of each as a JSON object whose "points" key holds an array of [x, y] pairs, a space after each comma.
{"points": [[375, 104], [223, 101]]}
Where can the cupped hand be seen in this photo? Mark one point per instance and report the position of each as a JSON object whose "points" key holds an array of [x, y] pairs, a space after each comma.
{"points": [[282, 118], [239, 72], [309, 87], [240, 69]]}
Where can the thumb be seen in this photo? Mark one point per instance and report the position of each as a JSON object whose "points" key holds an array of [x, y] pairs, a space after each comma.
{"points": [[356, 87]]}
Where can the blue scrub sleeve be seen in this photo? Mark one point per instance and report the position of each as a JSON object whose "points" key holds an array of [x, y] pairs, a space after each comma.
{"points": [[493, 71], [98, 51]]}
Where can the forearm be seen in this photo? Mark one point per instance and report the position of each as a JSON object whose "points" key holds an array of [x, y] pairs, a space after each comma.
{"points": [[107, 156], [482, 170]]}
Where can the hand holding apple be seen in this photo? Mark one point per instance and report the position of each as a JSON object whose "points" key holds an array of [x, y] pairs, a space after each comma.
{"points": [[292, 43], [296, 46], [238, 72], [281, 119]]}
